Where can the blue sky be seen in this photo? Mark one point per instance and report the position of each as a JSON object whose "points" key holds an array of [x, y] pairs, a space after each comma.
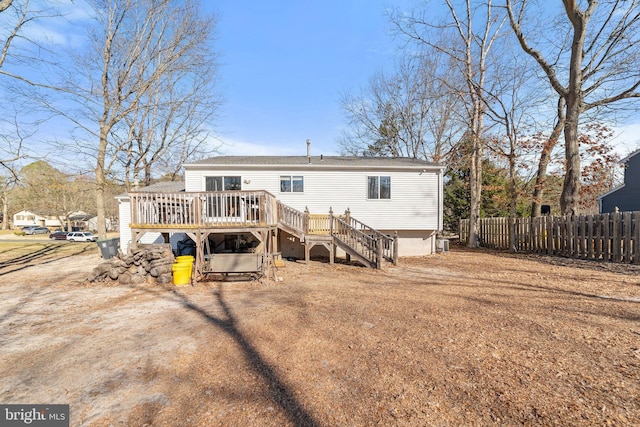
{"points": [[285, 65]]}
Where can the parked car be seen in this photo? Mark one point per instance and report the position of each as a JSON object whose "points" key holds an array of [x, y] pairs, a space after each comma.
{"points": [[37, 230], [28, 227], [58, 235], [82, 236]]}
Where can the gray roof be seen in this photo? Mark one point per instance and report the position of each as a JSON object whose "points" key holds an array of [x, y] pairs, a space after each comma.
{"points": [[158, 187], [161, 187], [335, 161]]}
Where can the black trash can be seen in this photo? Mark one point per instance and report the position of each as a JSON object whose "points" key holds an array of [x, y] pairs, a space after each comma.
{"points": [[109, 247], [186, 246]]}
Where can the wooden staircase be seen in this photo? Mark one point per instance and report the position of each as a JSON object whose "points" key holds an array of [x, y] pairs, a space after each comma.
{"points": [[359, 241]]}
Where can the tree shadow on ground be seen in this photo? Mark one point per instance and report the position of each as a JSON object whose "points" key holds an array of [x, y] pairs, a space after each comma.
{"points": [[39, 257], [279, 392]]}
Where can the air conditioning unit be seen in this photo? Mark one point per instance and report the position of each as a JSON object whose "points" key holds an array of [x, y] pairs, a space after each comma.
{"points": [[442, 245]]}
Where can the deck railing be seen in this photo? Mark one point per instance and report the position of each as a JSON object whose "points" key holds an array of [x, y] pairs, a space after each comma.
{"points": [[319, 224], [292, 218], [256, 209], [203, 209]]}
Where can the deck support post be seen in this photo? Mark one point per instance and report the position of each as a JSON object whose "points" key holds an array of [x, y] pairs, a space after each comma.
{"points": [[395, 247], [326, 241], [305, 225]]}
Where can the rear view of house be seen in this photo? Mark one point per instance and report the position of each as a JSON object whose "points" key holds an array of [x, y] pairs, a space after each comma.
{"points": [[300, 201]]}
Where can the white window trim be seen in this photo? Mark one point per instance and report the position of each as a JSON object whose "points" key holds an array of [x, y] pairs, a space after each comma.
{"points": [[378, 176], [291, 182]]}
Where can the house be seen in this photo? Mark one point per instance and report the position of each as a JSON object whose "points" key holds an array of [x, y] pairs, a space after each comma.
{"points": [[24, 218], [368, 208], [626, 197]]}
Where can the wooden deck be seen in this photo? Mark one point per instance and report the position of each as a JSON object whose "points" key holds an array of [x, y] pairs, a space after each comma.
{"points": [[201, 214], [203, 210]]}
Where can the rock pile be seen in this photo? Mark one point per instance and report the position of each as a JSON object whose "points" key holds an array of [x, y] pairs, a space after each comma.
{"points": [[148, 260]]}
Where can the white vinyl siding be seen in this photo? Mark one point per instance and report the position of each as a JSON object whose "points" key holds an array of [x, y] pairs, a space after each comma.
{"points": [[414, 205], [124, 215]]}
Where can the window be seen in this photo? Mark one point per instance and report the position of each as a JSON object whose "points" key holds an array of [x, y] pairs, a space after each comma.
{"points": [[223, 183], [291, 184], [223, 205], [379, 187]]}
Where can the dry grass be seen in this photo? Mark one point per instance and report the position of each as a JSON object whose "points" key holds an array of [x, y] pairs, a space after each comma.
{"points": [[465, 338]]}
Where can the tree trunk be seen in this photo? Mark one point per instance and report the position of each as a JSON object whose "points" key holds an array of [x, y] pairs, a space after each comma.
{"points": [[545, 159], [147, 174], [570, 198], [475, 189], [101, 183], [513, 206], [5, 209]]}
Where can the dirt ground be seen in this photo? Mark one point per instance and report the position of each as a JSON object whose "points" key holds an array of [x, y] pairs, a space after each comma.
{"points": [[465, 338]]}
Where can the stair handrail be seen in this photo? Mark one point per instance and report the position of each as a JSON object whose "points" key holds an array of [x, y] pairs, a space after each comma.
{"points": [[362, 243], [369, 243], [292, 218], [388, 243]]}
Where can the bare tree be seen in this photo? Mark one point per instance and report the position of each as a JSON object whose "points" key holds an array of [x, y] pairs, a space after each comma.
{"points": [[170, 125], [599, 68], [12, 153], [407, 114], [16, 17], [476, 30], [510, 103], [546, 149], [136, 47], [11, 149]]}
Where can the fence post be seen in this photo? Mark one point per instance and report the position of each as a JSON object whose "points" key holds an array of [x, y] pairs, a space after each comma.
{"points": [[636, 237], [616, 237], [606, 243], [627, 236], [590, 239]]}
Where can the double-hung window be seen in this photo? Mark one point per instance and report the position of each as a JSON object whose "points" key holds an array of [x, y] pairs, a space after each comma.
{"points": [[291, 184], [379, 187]]}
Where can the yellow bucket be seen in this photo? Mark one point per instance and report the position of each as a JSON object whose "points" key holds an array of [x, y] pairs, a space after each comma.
{"points": [[181, 273], [185, 259]]}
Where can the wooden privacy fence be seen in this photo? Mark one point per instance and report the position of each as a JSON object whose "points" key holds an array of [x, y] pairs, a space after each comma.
{"points": [[613, 237]]}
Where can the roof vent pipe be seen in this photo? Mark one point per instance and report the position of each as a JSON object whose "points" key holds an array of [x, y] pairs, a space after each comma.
{"points": [[309, 150]]}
